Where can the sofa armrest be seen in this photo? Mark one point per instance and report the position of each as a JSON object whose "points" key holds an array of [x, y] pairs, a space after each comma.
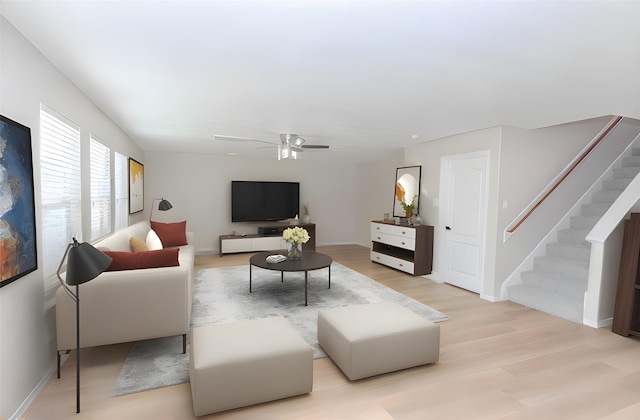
{"points": [[123, 306]]}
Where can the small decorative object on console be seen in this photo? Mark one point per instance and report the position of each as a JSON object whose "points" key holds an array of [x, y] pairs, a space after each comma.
{"points": [[306, 215], [295, 237]]}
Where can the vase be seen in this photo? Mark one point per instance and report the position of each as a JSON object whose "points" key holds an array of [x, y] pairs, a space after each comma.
{"points": [[295, 252]]}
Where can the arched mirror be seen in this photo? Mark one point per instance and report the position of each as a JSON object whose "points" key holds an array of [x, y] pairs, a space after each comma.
{"points": [[406, 196]]}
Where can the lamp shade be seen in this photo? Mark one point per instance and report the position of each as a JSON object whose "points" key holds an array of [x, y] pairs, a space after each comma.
{"points": [[85, 263], [164, 205]]}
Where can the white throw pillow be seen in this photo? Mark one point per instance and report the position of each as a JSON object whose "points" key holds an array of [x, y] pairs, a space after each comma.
{"points": [[153, 241]]}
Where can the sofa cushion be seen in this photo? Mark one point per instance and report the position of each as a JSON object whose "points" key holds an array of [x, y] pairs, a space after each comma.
{"points": [[171, 234], [153, 241], [119, 241], [137, 244], [143, 259]]}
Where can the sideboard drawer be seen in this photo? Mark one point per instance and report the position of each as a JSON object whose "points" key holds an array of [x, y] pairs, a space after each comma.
{"points": [[230, 246], [400, 242], [397, 263], [402, 231]]}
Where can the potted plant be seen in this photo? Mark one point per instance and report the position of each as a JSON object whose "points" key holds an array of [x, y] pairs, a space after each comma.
{"points": [[409, 207]]}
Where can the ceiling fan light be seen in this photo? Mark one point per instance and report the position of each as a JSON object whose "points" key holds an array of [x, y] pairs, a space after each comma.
{"points": [[298, 141], [286, 152]]}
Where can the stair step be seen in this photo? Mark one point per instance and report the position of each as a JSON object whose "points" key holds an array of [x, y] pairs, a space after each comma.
{"points": [[581, 252], [616, 184], [562, 266], [553, 303], [635, 152], [626, 172], [631, 161], [573, 236], [606, 196], [583, 222], [556, 282], [594, 209]]}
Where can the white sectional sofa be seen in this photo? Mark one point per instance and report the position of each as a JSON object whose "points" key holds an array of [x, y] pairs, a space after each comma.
{"points": [[129, 305]]}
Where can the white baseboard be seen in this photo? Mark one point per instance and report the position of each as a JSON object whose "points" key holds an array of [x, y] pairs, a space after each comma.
{"points": [[598, 324], [22, 410], [492, 298]]}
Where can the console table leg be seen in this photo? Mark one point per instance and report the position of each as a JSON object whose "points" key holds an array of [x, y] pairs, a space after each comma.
{"points": [[249, 278], [329, 276]]}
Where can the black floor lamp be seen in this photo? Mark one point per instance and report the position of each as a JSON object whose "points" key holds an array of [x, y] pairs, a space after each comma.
{"points": [[164, 205], [84, 264]]}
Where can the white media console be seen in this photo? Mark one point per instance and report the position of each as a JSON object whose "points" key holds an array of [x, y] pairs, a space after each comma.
{"points": [[268, 238]]}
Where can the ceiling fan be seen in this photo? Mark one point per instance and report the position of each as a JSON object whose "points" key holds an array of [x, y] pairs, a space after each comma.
{"points": [[289, 146]]}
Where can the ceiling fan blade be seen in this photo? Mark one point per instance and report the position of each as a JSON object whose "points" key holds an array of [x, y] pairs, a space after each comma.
{"points": [[315, 146], [231, 138], [240, 139]]}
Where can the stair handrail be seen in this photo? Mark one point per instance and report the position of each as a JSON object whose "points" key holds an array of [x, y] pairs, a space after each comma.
{"points": [[570, 168]]}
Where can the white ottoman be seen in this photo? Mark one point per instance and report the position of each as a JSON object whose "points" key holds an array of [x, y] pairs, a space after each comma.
{"points": [[370, 339], [247, 362]]}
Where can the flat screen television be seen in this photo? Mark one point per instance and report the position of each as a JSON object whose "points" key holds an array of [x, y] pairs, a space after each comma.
{"points": [[261, 201]]}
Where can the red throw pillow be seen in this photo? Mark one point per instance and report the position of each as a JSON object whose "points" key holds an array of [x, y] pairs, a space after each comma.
{"points": [[171, 234], [142, 259]]}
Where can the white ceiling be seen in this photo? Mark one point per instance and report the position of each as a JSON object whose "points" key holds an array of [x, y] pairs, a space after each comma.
{"points": [[360, 76]]}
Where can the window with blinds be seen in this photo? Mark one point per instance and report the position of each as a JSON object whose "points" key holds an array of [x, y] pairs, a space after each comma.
{"points": [[121, 177], [60, 186], [100, 169]]}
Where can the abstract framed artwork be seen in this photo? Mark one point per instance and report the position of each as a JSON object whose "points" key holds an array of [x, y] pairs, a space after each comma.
{"points": [[136, 186], [18, 251]]}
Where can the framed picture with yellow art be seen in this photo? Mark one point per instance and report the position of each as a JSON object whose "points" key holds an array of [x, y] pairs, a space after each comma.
{"points": [[136, 186], [17, 206]]}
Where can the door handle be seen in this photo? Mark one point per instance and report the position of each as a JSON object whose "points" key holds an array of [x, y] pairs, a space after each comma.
{"points": [[447, 228]]}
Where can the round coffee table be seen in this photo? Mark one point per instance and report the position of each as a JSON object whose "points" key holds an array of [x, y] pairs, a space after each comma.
{"points": [[310, 261]]}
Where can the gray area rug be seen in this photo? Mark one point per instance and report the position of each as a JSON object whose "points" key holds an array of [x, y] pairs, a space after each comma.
{"points": [[222, 295]]}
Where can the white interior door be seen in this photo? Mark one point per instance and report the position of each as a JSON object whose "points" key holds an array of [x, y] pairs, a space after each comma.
{"points": [[463, 199]]}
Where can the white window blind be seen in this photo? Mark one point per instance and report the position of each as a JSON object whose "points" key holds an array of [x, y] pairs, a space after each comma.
{"points": [[100, 169], [60, 187], [121, 191]]}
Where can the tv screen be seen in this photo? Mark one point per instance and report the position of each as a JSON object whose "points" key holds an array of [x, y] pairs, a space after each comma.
{"points": [[260, 201]]}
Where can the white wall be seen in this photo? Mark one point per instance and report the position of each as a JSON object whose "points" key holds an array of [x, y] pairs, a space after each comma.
{"points": [[376, 187], [27, 348], [199, 187]]}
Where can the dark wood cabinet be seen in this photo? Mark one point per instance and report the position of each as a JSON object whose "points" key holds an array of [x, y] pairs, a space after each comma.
{"points": [[403, 247], [626, 315]]}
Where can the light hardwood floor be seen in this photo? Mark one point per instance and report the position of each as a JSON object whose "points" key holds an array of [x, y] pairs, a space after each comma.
{"points": [[497, 361]]}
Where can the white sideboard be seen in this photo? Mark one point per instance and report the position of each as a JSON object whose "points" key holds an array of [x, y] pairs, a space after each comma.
{"points": [[403, 247]]}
